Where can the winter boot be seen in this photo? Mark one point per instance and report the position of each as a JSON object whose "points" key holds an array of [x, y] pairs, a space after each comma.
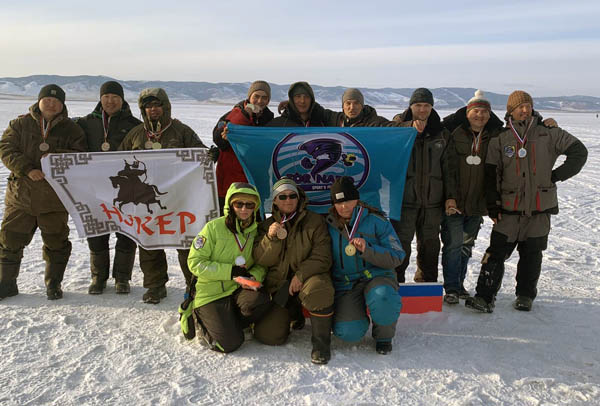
{"points": [[480, 304], [122, 287], [383, 347], [53, 277], [9, 271], [53, 290], [122, 268], [463, 294], [321, 338], [99, 263], [523, 303], [153, 295], [451, 297]]}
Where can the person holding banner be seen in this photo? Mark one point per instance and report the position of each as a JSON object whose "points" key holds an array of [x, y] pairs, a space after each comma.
{"points": [[228, 296], [295, 247], [253, 111], [105, 129], [357, 114], [158, 131], [521, 196], [30, 202], [301, 109], [430, 188], [365, 252]]}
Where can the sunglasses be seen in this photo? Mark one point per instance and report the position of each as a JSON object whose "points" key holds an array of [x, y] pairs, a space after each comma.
{"points": [[239, 205], [292, 196]]}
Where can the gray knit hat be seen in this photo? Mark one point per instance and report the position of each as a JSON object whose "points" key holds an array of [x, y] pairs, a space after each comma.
{"points": [[259, 85], [52, 91], [353, 94], [421, 95], [284, 184]]}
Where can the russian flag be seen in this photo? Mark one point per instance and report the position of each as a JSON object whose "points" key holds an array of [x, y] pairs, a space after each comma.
{"points": [[421, 297]]}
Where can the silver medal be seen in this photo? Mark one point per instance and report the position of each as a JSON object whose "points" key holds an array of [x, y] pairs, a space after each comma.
{"points": [[156, 145], [148, 144], [105, 146], [240, 261], [44, 147], [469, 160], [476, 160], [522, 153]]}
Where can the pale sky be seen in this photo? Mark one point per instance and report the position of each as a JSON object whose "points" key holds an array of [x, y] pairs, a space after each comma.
{"points": [[548, 48]]}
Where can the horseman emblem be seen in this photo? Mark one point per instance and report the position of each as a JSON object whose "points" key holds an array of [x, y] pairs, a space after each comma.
{"points": [[132, 189]]}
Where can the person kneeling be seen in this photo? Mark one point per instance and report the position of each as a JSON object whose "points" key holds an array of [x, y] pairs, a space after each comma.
{"points": [[225, 300], [364, 273]]}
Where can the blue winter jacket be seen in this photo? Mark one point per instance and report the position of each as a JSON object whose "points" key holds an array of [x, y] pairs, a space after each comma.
{"points": [[382, 255]]}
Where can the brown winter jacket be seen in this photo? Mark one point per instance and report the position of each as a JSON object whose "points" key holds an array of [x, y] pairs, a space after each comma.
{"points": [[528, 185], [431, 173], [178, 135], [20, 153], [470, 198], [305, 252]]}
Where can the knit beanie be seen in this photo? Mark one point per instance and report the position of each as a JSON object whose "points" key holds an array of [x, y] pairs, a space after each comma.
{"points": [[343, 189], [421, 95], [52, 91], [353, 94], [478, 101], [259, 85], [516, 98], [112, 87], [284, 184]]}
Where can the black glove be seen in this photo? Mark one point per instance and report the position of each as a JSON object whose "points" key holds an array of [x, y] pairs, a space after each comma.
{"points": [[494, 211], [239, 271]]}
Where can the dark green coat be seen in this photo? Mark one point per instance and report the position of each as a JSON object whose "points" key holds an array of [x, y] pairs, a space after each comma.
{"points": [[367, 118], [118, 127]]}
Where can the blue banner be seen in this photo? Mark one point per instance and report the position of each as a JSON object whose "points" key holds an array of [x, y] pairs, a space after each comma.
{"points": [[314, 157]]}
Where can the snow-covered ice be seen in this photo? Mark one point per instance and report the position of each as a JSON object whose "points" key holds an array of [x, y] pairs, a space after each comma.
{"points": [[114, 349]]}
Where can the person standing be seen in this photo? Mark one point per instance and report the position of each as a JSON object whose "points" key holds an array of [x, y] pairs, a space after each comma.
{"points": [[105, 128], [30, 202], [521, 195], [157, 131], [355, 113], [301, 109], [430, 188]]}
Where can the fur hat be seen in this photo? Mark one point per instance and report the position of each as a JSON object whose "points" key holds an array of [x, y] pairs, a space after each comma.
{"points": [[421, 95], [478, 101], [516, 98], [52, 91], [353, 94], [112, 87], [259, 85], [343, 189], [282, 185]]}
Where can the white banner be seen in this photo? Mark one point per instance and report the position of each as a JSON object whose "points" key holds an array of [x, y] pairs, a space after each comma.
{"points": [[160, 198]]}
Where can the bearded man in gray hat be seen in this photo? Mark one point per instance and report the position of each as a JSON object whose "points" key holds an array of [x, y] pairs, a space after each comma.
{"points": [[355, 113], [30, 201]]}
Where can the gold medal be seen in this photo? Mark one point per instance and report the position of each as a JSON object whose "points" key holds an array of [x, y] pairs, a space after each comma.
{"points": [[156, 145], [350, 250], [148, 144], [281, 233], [105, 146], [44, 147]]}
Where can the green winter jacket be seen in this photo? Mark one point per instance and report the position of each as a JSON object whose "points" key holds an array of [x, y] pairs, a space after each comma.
{"points": [[213, 253]]}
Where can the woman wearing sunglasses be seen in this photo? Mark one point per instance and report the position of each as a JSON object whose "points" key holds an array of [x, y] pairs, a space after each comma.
{"points": [[294, 245], [227, 297], [366, 250]]}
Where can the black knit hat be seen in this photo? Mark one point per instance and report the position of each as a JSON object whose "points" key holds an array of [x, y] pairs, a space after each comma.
{"points": [[421, 95], [112, 87], [343, 189], [52, 91]]}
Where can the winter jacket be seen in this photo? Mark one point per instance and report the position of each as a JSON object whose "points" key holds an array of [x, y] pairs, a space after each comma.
{"points": [[528, 185], [306, 251], [178, 135], [213, 254], [229, 169], [20, 153], [383, 253], [470, 198], [318, 116], [118, 126], [367, 118], [431, 173]]}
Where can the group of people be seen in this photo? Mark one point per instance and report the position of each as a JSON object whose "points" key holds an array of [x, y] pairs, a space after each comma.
{"points": [[343, 269]]}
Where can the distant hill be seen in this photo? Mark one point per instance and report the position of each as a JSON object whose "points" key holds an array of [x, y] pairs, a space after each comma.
{"points": [[87, 88]]}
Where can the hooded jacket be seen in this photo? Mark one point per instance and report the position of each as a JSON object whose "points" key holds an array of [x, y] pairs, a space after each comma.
{"points": [[229, 169], [306, 251], [20, 153], [470, 199], [527, 185], [177, 135], [118, 126], [214, 250], [431, 173], [318, 116]]}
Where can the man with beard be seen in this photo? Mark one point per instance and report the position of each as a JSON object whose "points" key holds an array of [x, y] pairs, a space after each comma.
{"points": [[105, 128], [356, 113], [158, 131], [301, 109]]}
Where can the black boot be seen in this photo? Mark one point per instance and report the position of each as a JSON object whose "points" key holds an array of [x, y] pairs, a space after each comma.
{"points": [[99, 263], [53, 290], [53, 277], [9, 271], [383, 347], [122, 267], [321, 338], [153, 295]]}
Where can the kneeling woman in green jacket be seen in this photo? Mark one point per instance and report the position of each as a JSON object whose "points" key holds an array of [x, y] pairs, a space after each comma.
{"points": [[221, 253]]}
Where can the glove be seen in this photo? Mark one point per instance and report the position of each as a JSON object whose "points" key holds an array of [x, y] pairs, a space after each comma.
{"points": [[239, 271], [186, 319]]}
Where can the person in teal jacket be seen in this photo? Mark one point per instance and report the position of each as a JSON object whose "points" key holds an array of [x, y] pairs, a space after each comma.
{"points": [[366, 251], [220, 253]]}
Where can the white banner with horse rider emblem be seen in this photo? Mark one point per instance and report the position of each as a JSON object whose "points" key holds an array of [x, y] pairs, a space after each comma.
{"points": [[160, 198]]}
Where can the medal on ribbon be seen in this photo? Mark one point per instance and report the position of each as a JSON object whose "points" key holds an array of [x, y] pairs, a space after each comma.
{"points": [[45, 129], [105, 123], [350, 249], [521, 151], [282, 232], [474, 158], [153, 141], [240, 260]]}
